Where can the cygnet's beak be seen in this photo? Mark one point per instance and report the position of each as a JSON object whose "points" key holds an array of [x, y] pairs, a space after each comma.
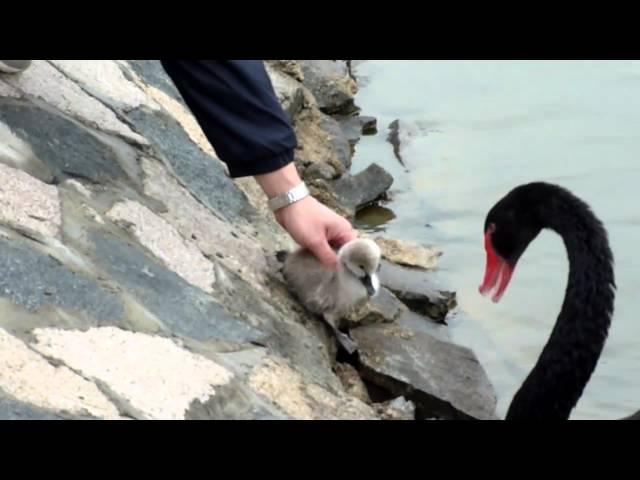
{"points": [[368, 284]]}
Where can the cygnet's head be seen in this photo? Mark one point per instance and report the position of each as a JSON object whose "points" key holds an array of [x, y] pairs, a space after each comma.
{"points": [[361, 258]]}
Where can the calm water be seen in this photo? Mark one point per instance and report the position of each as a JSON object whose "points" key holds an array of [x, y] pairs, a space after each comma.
{"points": [[476, 129]]}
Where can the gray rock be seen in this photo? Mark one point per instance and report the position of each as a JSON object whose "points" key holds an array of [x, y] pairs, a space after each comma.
{"points": [[67, 148], [385, 307], [337, 139], [357, 191], [415, 322], [286, 337], [151, 71], [306, 351], [352, 382], [268, 313], [351, 128], [408, 253], [241, 299], [330, 83], [183, 308], [234, 401], [321, 171], [415, 289], [201, 174], [321, 141], [396, 409], [369, 125], [442, 379], [290, 388], [32, 279], [11, 409], [288, 90], [354, 127], [288, 67], [388, 305], [238, 400]]}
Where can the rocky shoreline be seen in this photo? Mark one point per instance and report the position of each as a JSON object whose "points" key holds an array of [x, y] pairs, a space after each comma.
{"points": [[140, 281]]}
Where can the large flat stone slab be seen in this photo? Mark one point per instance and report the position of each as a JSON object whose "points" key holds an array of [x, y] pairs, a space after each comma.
{"points": [[104, 79], [151, 375], [357, 191], [164, 241], [27, 376], [67, 148], [442, 379], [29, 203], [234, 401], [417, 289], [301, 399], [384, 307], [151, 72], [203, 175], [216, 238], [183, 308], [33, 280], [44, 81]]}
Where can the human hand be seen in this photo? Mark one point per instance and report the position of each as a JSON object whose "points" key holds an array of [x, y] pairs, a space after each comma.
{"points": [[316, 227], [311, 224]]}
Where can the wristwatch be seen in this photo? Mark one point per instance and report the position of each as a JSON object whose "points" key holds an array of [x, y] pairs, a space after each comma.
{"points": [[289, 197]]}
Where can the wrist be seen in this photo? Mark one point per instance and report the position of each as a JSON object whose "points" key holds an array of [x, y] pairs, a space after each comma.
{"points": [[288, 198], [279, 181], [283, 188]]}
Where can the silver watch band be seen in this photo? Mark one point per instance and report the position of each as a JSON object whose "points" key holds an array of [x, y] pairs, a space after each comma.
{"points": [[287, 198]]}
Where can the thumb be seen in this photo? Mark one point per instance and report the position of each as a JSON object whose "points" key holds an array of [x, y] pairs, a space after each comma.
{"points": [[324, 253]]}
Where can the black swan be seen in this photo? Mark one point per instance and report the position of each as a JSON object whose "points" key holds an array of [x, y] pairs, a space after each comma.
{"points": [[556, 382]]}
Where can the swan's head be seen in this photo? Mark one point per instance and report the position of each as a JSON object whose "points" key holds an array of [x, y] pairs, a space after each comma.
{"points": [[361, 257], [509, 228]]}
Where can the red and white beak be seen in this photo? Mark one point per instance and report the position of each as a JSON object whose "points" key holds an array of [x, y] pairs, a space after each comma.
{"points": [[497, 272]]}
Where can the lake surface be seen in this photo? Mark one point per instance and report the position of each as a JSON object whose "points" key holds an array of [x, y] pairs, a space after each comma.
{"points": [[473, 130]]}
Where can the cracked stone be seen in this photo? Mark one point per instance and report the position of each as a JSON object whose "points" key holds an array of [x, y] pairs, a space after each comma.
{"points": [[104, 79], [28, 274], [44, 81], [202, 174], [28, 377], [304, 400], [67, 148], [152, 374], [27, 202], [165, 242], [442, 379], [181, 307]]}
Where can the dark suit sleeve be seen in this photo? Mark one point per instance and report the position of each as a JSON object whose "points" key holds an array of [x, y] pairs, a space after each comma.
{"points": [[236, 106]]}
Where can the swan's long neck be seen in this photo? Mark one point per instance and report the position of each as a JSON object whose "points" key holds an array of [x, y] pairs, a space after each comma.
{"points": [[569, 358]]}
